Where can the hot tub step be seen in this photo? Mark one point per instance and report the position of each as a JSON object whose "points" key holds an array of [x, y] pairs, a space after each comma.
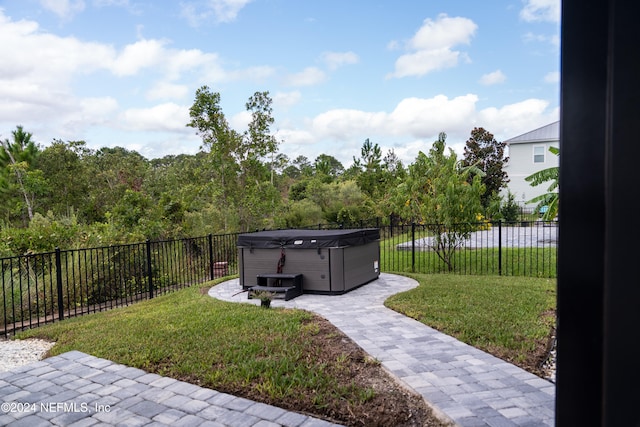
{"points": [[288, 291]]}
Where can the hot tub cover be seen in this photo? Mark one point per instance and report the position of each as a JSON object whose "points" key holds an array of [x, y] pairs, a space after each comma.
{"points": [[307, 239]]}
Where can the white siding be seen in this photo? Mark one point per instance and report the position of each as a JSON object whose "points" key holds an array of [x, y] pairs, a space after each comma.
{"points": [[521, 164]]}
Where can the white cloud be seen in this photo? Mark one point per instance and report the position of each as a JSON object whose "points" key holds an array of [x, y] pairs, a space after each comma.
{"points": [[48, 83], [38, 86], [227, 10], [553, 40], [138, 56], [97, 109], [35, 85], [514, 119], [286, 99], [240, 121], [105, 3], [222, 11], [428, 116], [65, 9], [336, 60], [541, 10], [444, 32], [425, 61], [294, 137], [411, 126], [552, 77], [308, 77], [154, 54], [408, 151], [162, 117], [493, 78], [166, 90], [345, 124], [87, 112], [256, 74], [430, 48], [154, 147], [175, 62], [418, 117], [134, 8], [43, 65], [45, 57]]}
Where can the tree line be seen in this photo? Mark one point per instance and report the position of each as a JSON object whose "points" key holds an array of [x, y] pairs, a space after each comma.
{"points": [[68, 195]]}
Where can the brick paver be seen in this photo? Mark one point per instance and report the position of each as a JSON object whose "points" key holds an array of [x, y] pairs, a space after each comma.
{"points": [[466, 385], [100, 392]]}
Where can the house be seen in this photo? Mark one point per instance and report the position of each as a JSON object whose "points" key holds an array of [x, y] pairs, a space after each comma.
{"points": [[529, 153]]}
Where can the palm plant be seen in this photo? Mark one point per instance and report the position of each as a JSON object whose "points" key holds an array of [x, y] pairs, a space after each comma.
{"points": [[549, 199]]}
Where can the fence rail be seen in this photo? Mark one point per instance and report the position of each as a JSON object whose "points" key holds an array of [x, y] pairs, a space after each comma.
{"points": [[493, 248], [43, 288]]}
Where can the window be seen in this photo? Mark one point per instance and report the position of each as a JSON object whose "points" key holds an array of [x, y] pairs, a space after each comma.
{"points": [[538, 154]]}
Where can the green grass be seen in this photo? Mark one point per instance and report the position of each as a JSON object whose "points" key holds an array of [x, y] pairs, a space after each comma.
{"points": [[510, 317], [279, 355], [267, 354], [525, 261]]}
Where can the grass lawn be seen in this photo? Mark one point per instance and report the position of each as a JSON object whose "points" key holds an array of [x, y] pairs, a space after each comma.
{"points": [[509, 317], [293, 359], [296, 360]]}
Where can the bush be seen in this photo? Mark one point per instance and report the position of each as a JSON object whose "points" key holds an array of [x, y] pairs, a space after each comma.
{"points": [[44, 234], [509, 210]]}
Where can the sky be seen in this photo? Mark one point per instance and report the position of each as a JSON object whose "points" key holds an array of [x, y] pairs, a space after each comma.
{"points": [[125, 72]]}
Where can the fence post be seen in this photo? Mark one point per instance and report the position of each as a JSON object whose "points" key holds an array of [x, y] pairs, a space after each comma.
{"points": [[211, 269], [413, 247], [59, 284], [499, 247], [149, 270]]}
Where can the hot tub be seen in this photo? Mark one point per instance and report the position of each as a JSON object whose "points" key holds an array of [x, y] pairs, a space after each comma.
{"points": [[330, 261]]}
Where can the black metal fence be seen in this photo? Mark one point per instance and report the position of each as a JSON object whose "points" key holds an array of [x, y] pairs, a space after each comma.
{"points": [[42, 288], [525, 248]]}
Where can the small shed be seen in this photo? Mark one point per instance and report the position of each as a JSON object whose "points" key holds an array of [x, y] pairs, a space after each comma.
{"points": [[331, 261]]}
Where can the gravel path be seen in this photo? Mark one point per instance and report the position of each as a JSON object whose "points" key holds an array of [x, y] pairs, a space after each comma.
{"points": [[14, 353]]}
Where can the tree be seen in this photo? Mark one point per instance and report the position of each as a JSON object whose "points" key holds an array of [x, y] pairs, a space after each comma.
{"points": [[393, 164], [548, 202], [237, 159], [111, 171], [393, 173], [368, 168], [217, 137], [484, 152], [439, 193], [16, 159], [305, 168], [258, 140], [328, 166], [58, 162]]}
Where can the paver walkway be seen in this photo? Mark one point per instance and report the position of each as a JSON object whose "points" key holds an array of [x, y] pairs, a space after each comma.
{"points": [[467, 385], [76, 389]]}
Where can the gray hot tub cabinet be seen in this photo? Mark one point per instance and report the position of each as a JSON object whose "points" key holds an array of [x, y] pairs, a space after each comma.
{"points": [[331, 261]]}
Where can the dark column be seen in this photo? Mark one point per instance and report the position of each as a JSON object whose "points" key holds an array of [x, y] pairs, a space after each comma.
{"points": [[621, 370], [599, 249]]}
